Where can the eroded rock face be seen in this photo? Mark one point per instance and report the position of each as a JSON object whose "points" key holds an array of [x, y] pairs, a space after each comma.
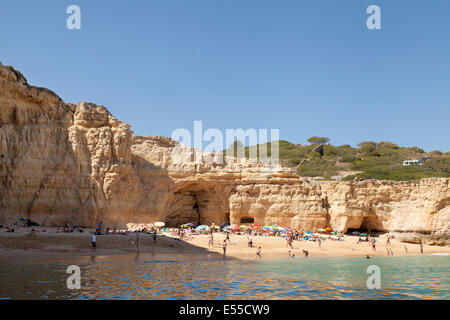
{"points": [[64, 163]]}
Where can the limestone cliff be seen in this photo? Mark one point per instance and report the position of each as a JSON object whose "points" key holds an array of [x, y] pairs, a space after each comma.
{"points": [[65, 163]]}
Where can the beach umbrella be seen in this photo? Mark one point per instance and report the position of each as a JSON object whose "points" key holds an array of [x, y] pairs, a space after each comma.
{"points": [[266, 228], [363, 234], [254, 225], [23, 219], [233, 226], [223, 225], [355, 232], [189, 224], [334, 232], [243, 226], [280, 228], [202, 227], [309, 233], [160, 224], [321, 230], [328, 229]]}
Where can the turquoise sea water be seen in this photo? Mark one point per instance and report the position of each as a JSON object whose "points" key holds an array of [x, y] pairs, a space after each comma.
{"points": [[167, 277]]}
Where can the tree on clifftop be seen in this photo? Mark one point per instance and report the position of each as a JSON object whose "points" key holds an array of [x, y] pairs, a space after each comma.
{"points": [[367, 142], [318, 140], [367, 146]]}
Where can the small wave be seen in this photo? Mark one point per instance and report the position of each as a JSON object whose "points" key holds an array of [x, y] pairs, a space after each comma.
{"points": [[441, 254]]}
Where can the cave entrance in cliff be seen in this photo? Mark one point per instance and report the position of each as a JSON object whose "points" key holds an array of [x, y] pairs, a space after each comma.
{"points": [[247, 220], [186, 207], [370, 225], [226, 217]]}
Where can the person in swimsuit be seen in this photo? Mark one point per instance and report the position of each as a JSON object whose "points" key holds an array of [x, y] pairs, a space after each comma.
{"points": [[94, 241], [258, 253], [210, 241], [224, 247], [289, 241], [137, 241]]}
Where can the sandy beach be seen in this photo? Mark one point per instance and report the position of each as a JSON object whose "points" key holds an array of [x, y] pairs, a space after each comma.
{"points": [[25, 245]]}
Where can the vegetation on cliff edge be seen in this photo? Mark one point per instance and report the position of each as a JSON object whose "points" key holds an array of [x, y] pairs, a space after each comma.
{"points": [[371, 160]]}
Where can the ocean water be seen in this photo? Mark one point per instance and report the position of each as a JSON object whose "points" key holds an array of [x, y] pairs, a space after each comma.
{"points": [[169, 277]]}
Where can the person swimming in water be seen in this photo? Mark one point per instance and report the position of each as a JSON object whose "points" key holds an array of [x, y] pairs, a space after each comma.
{"points": [[306, 253]]}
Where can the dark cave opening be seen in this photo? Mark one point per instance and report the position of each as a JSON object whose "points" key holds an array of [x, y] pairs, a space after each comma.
{"points": [[247, 220]]}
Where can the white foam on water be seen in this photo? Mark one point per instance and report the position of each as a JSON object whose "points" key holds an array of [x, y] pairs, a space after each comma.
{"points": [[441, 254]]}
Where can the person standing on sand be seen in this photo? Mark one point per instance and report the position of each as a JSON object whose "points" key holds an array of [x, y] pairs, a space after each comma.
{"points": [[224, 247], [306, 253], [137, 241], [373, 244], [388, 241], [154, 236], [228, 238], [94, 241], [421, 247], [320, 243], [392, 252], [388, 253], [406, 250], [290, 242], [258, 253], [210, 241]]}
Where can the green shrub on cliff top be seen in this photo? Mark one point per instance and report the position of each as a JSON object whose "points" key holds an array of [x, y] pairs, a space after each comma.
{"points": [[381, 161]]}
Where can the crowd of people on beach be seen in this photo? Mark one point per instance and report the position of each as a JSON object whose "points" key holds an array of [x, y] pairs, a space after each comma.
{"points": [[290, 236], [187, 232]]}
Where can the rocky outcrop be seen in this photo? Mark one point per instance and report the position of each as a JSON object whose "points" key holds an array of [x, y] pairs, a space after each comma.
{"points": [[64, 163]]}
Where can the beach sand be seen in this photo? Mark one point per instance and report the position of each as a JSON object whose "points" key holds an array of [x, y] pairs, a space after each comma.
{"points": [[24, 245]]}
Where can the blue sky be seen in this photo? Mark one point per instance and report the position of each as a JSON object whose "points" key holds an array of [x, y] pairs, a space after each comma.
{"points": [[305, 67]]}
